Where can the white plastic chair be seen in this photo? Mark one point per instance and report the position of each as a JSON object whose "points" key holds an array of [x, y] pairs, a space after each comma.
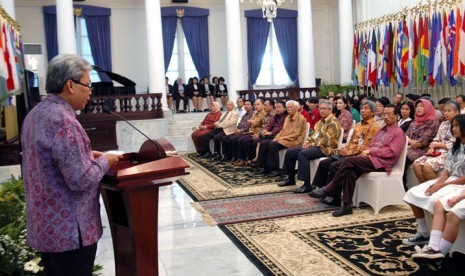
{"points": [[378, 189], [315, 162], [282, 153]]}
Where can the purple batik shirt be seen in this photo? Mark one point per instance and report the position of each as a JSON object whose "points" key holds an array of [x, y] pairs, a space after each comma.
{"points": [[386, 147], [61, 179]]}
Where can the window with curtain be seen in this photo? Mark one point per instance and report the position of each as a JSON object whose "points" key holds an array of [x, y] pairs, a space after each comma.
{"points": [[181, 63], [272, 72], [83, 45]]}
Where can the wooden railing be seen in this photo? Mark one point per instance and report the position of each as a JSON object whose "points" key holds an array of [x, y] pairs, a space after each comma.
{"points": [[131, 107], [101, 126], [291, 92]]}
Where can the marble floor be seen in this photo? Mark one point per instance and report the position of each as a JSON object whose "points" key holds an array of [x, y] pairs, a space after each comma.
{"points": [[187, 245]]}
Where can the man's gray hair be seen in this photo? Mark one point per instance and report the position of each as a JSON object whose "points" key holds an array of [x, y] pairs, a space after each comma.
{"points": [[62, 68], [370, 104], [295, 103], [327, 102]]}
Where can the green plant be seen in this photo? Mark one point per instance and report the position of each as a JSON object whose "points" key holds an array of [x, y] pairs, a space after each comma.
{"points": [[343, 89], [16, 257]]}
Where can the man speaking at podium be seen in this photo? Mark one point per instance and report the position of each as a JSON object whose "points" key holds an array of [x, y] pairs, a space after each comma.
{"points": [[61, 172]]}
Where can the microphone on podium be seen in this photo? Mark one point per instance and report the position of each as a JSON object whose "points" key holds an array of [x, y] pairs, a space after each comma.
{"points": [[105, 109]]}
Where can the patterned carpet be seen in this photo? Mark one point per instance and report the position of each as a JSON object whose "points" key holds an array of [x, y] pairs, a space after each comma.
{"points": [[257, 207], [319, 244], [210, 179]]}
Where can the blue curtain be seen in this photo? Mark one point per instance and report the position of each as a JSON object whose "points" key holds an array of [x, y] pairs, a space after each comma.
{"points": [[98, 29], [169, 32], [196, 31], [51, 36], [286, 35], [195, 25], [257, 36]]}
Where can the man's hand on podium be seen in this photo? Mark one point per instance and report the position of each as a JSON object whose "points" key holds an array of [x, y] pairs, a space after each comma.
{"points": [[112, 158]]}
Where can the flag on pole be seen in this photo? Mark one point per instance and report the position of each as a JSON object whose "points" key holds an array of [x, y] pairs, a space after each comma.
{"points": [[450, 49], [437, 38], [371, 68], [399, 49], [458, 26], [405, 53], [462, 48]]}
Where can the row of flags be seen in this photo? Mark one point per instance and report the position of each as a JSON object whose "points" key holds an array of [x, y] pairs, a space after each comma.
{"points": [[421, 48], [11, 59]]}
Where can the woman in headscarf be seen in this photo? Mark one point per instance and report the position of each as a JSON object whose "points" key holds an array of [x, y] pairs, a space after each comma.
{"points": [[420, 132]]}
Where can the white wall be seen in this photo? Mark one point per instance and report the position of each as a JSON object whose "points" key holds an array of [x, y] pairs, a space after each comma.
{"points": [[129, 45]]}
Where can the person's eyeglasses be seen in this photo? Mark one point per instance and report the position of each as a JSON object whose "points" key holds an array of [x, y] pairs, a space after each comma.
{"points": [[389, 114], [85, 85]]}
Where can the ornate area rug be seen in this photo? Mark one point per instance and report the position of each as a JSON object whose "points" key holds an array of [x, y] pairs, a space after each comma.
{"points": [[210, 179], [319, 244], [241, 209]]}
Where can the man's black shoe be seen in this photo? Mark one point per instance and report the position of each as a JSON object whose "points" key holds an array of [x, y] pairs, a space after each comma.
{"points": [[330, 201], [207, 155], [273, 174], [319, 193], [342, 211], [287, 182], [226, 158], [233, 159], [216, 156], [260, 171], [306, 188]]}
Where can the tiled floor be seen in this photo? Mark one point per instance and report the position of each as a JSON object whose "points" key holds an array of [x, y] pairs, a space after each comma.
{"points": [[187, 245]]}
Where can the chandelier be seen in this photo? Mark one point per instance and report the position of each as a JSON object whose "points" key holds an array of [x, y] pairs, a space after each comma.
{"points": [[269, 8]]}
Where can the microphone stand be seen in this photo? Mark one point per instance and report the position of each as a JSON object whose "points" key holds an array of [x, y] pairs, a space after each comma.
{"points": [[105, 109]]}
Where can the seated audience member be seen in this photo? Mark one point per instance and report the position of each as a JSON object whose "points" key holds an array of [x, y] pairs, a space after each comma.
{"points": [[460, 99], [426, 167], [437, 113], [353, 109], [302, 109], [344, 116], [361, 138], [398, 99], [229, 142], [222, 91], [441, 107], [291, 134], [314, 112], [205, 127], [380, 156], [411, 97], [206, 91], [180, 93], [322, 143], [245, 142], [449, 211], [169, 93], [362, 98], [330, 94], [331, 99], [214, 85], [226, 125], [423, 197], [380, 104], [268, 134], [240, 107], [407, 114], [420, 132], [195, 94]]}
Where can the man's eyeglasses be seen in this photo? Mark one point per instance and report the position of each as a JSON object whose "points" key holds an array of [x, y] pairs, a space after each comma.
{"points": [[85, 85]]}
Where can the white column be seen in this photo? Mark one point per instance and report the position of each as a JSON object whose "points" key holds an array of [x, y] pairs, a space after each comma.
{"points": [[234, 49], [346, 36], [155, 57], [65, 27], [9, 7], [305, 44]]}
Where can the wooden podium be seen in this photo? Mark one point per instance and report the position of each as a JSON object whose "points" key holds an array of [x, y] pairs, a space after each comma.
{"points": [[130, 193]]}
